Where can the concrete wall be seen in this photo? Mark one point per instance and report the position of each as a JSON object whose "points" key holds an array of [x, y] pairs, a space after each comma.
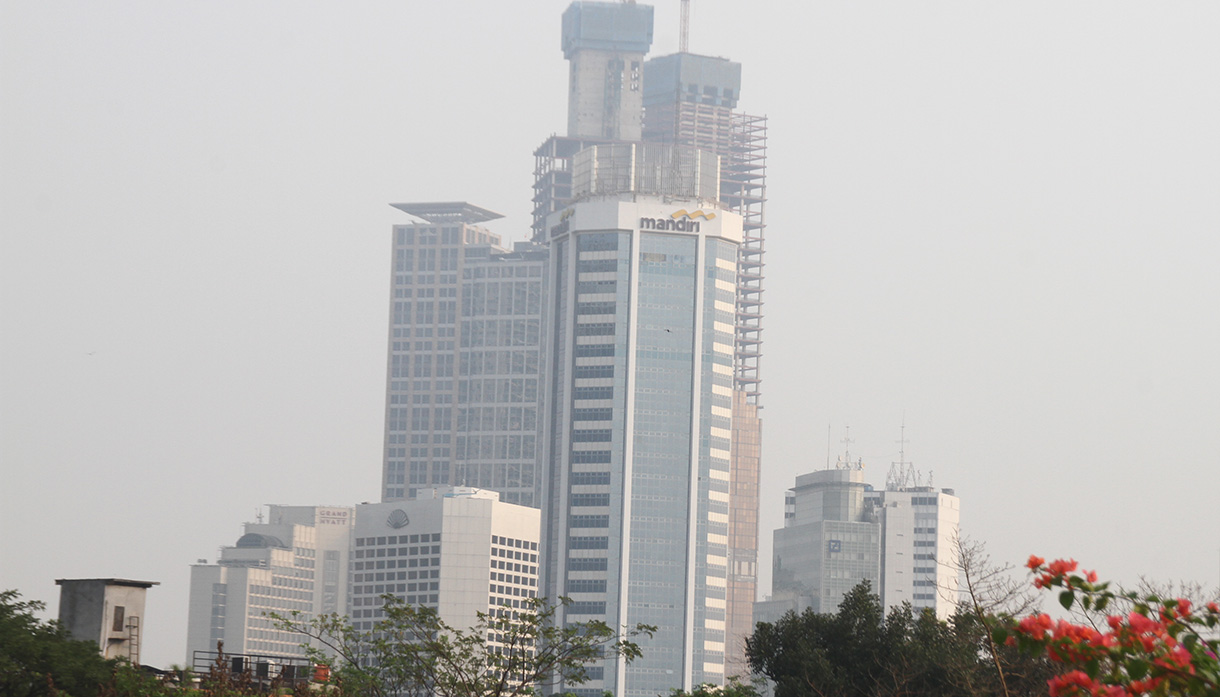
{"points": [[101, 611]]}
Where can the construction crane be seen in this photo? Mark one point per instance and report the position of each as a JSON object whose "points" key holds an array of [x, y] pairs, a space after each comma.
{"points": [[684, 28]]}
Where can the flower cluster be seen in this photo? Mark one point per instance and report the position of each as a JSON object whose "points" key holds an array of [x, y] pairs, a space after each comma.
{"points": [[1162, 645]]}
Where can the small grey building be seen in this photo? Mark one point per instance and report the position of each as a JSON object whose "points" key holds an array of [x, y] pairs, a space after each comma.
{"points": [[109, 611]]}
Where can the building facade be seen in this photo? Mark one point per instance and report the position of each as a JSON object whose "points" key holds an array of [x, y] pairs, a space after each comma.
{"points": [[295, 562], [829, 545], [605, 43], [106, 611], [640, 428], [465, 344], [458, 550], [919, 534], [687, 100], [691, 100], [839, 531]]}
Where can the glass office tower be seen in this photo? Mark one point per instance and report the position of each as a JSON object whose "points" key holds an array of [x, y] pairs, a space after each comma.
{"points": [[465, 346], [640, 425]]}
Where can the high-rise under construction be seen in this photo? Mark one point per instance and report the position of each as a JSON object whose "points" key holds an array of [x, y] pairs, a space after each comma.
{"points": [[689, 102]]}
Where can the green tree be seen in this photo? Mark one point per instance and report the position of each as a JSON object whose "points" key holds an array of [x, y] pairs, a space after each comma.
{"points": [[507, 653], [39, 658], [735, 687], [862, 652], [1146, 643]]}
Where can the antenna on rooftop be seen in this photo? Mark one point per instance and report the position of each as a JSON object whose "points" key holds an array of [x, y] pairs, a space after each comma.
{"points": [[902, 473], [828, 445], [902, 441], [844, 462], [684, 28], [259, 515]]}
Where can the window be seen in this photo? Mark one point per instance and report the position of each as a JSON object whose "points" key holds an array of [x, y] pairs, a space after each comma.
{"points": [[119, 611]]}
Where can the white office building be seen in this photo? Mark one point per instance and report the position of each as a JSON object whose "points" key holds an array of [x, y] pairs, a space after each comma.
{"points": [[828, 545], [919, 527], [839, 531], [296, 561], [459, 550]]}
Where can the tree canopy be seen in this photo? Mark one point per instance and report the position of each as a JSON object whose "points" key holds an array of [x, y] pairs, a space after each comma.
{"points": [[39, 658], [859, 651], [510, 652]]}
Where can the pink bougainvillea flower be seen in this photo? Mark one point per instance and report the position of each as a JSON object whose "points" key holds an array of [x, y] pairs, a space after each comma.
{"points": [[1071, 683], [1062, 567]]}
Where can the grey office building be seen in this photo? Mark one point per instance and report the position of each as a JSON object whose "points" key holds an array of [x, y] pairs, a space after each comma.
{"points": [[691, 101], [688, 100], [466, 327], [640, 424], [829, 544]]}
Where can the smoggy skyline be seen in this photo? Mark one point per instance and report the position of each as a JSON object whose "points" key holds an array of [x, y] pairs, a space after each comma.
{"points": [[999, 223]]}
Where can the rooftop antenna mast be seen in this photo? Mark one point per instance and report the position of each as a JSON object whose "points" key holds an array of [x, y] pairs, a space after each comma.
{"points": [[827, 446], [902, 473], [684, 28], [845, 462]]}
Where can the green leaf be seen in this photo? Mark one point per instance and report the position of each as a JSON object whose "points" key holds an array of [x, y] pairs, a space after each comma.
{"points": [[1066, 598], [1137, 668], [1101, 603], [1092, 668], [999, 635]]}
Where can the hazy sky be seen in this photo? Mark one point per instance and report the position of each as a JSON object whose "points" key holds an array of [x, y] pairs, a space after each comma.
{"points": [[1001, 220]]}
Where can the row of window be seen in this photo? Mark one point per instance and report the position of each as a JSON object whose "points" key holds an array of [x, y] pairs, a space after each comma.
{"points": [[391, 588], [499, 299], [428, 292], [589, 521], [528, 557], [506, 390], [510, 578], [499, 601], [511, 566], [399, 539], [511, 591], [430, 235], [380, 588], [503, 271], [591, 499], [496, 448], [411, 563], [397, 551], [424, 332]]}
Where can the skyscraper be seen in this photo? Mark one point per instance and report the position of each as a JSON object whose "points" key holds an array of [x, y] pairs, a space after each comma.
{"points": [[839, 531], [919, 530], [690, 100], [439, 550], [465, 338], [831, 543], [296, 561], [641, 313], [605, 43]]}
